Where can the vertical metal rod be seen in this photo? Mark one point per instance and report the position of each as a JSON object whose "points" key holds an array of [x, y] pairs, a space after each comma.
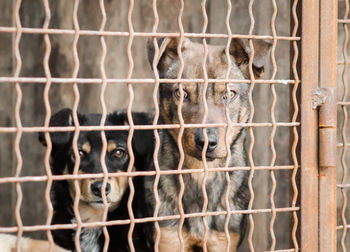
{"points": [[17, 115], [250, 129], [205, 115], [102, 123], [182, 128], [131, 123], [328, 127], [47, 123], [309, 158], [228, 120], [274, 127], [344, 125], [295, 116], [76, 125], [155, 122]]}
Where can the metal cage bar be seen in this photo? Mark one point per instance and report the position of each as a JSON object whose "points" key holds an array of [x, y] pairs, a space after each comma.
{"points": [[143, 220], [47, 123], [155, 121], [250, 129], [227, 54], [140, 34], [19, 131], [309, 154], [205, 115], [103, 120], [295, 130], [328, 126], [131, 123], [274, 127], [182, 128]]}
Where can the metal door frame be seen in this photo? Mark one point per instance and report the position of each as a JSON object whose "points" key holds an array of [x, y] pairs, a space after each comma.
{"points": [[318, 125]]}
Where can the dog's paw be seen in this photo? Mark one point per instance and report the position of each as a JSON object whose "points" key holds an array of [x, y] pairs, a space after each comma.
{"points": [[8, 243]]}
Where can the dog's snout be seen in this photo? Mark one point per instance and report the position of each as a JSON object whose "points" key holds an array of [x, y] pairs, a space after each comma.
{"points": [[212, 139], [96, 188]]}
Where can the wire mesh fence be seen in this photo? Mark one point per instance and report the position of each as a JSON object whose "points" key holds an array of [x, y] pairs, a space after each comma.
{"points": [[91, 56]]}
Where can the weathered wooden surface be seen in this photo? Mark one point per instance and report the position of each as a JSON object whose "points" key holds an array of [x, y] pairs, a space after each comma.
{"points": [[117, 66]]}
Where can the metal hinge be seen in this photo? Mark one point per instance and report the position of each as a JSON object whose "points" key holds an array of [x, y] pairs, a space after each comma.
{"points": [[325, 100]]}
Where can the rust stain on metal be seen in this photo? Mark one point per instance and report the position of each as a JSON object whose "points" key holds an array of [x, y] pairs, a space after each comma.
{"points": [[319, 97]]}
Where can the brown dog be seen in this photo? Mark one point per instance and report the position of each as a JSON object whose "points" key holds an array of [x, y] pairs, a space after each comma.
{"points": [[222, 99]]}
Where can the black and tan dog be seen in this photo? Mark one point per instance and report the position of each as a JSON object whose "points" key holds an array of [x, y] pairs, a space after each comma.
{"points": [[90, 202], [220, 97]]}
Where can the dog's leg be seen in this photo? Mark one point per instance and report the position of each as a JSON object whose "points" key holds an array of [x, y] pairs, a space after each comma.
{"points": [[218, 242], [169, 241], [8, 244]]}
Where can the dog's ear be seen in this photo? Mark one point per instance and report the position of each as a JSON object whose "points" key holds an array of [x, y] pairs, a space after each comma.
{"points": [[151, 49], [118, 117], [240, 50], [167, 51], [61, 118]]}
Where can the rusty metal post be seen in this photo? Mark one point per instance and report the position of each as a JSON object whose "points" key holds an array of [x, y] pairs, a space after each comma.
{"points": [[328, 126], [309, 157]]}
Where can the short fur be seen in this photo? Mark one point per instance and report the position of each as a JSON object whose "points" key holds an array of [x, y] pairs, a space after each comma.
{"points": [[222, 99], [90, 202], [8, 243]]}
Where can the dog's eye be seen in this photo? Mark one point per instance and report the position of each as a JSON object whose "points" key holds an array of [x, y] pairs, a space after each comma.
{"points": [[177, 93], [81, 154], [229, 95], [118, 153]]}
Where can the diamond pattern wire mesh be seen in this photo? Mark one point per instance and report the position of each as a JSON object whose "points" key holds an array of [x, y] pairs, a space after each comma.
{"points": [[17, 79]]}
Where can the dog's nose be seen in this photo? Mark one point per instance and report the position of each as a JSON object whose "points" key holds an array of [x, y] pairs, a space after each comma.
{"points": [[96, 188], [212, 140]]}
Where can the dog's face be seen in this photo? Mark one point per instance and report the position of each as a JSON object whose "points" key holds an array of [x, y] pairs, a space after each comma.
{"points": [[116, 160], [224, 100], [90, 145]]}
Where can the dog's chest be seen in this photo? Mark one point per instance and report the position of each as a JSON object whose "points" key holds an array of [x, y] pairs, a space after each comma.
{"points": [[192, 199], [193, 202], [89, 239]]}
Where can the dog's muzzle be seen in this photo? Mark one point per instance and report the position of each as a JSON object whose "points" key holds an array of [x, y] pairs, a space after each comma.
{"points": [[212, 139], [96, 188]]}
